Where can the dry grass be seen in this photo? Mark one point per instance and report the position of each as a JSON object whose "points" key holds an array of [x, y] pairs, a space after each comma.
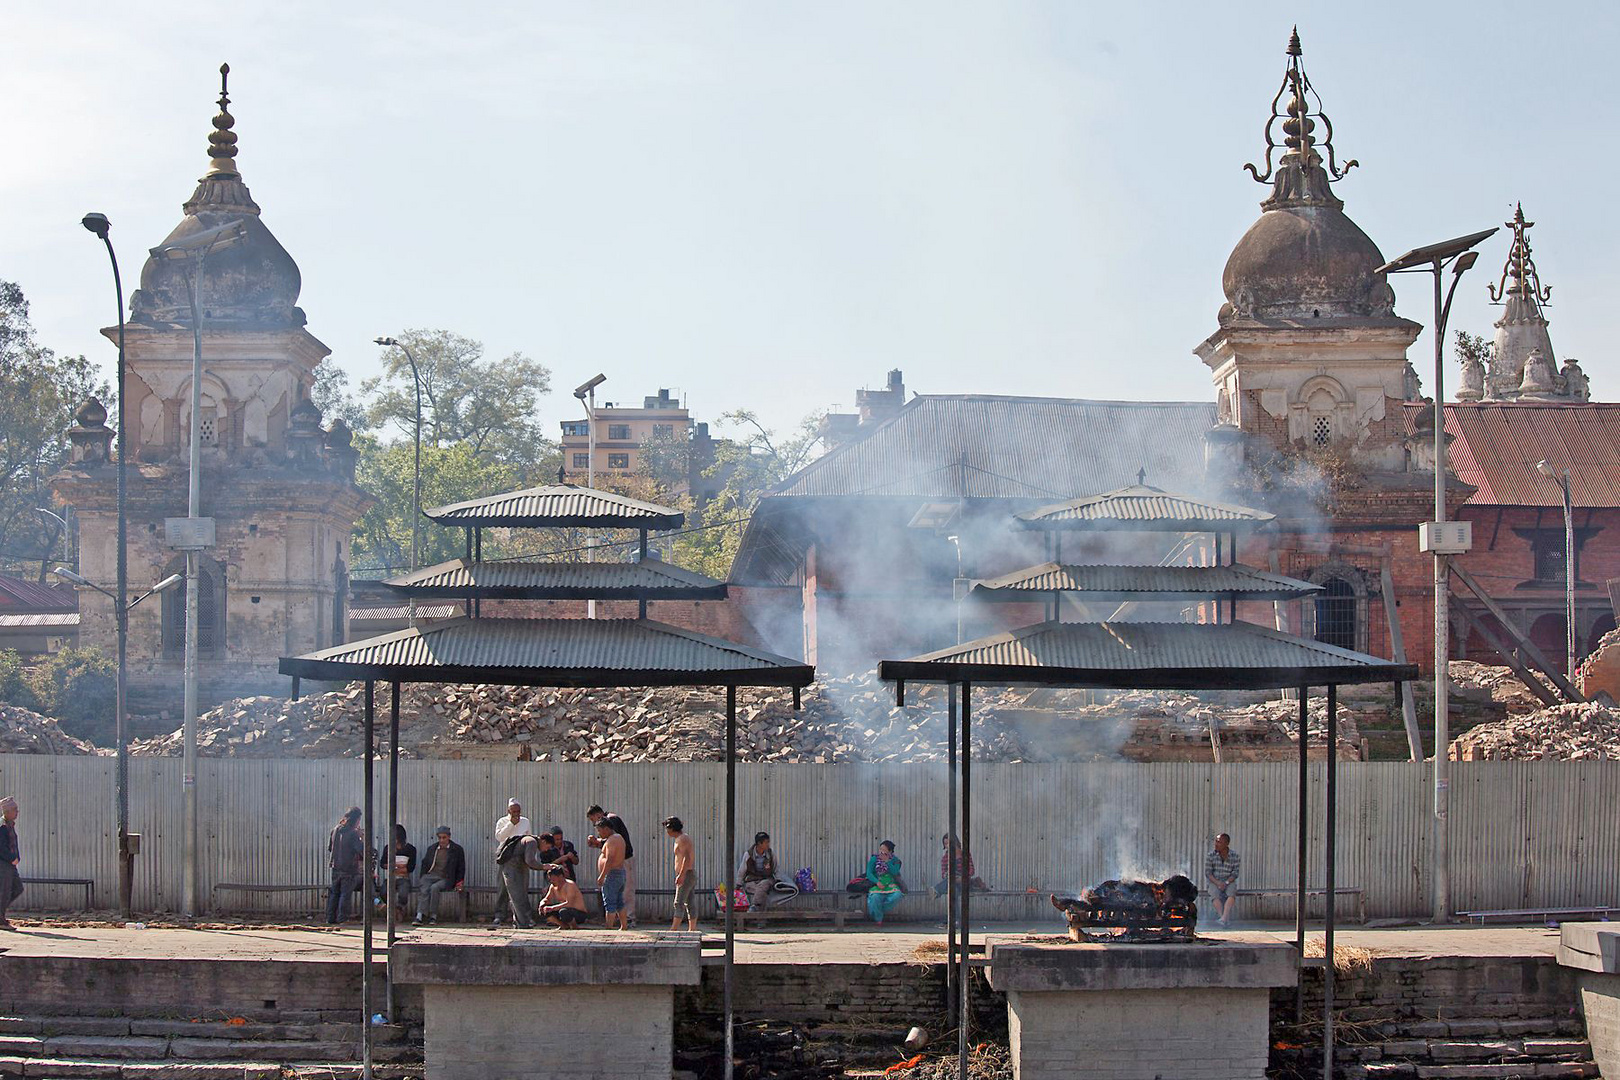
{"points": [[1347, 959]]}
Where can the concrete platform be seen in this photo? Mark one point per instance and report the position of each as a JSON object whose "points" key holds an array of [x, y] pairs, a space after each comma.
{"points": [[777, 945], [604, 1002], [1199, 1010], [1593, 951]]}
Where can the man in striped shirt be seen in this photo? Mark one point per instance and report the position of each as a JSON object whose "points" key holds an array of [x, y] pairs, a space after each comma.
{"points": [[1221, 868]]}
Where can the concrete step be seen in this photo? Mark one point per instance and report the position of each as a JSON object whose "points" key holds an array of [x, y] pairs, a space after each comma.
{"points": [[81, 1069], [1480, 1027], [1406, 1070], [141, 1048], [106, 1027]]}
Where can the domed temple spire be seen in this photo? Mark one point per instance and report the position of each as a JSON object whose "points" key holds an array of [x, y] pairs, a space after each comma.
{"points": [[1523, 347], [221, 188], [1520, 267], [1299, 177], [222, 140]]}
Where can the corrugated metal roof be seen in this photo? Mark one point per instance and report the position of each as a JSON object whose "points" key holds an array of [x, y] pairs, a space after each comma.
{"points": [[560, 581], [1147, 582], [1498, 444], [556, 505], [1141, 507], [390, 612], [42, 620], [1147, 656], [19, 592], [988, 447], [551, 652]]}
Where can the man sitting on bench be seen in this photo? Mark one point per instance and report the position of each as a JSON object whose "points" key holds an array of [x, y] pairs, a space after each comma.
{"points": [[444, 868], [563, 905], [1221, 868]]}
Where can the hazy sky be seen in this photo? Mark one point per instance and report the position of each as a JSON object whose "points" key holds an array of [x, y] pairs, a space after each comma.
{"points": [[767, 205]]}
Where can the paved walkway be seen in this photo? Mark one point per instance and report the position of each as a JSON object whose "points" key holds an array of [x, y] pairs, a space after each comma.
{"points": [[866, 945]]}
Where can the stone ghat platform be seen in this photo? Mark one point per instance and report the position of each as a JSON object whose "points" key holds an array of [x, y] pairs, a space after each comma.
{"points": [[1440, 993]]}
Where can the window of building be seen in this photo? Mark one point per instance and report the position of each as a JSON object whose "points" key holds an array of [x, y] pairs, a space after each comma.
{"points": [[340, 602], [1336, 613], [209, 633], [1321, 431], [618, 431], [582, 461], [576, 427], [208, 426], [618, 461], [665, 430], [1548, 548]]}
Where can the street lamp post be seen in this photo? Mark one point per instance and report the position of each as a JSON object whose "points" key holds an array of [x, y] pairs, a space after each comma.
{"points": [[416, 468], [586, 393], [192, 252], [101, 227], [1434, 259], [1545, 469]]}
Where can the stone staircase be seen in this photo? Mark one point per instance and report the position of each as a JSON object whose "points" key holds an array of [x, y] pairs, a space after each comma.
{"points": [[277, 1046], [1462, 1047]]}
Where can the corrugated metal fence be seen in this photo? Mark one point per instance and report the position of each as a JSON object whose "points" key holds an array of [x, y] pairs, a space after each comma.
{"points": [[1523, 834]]}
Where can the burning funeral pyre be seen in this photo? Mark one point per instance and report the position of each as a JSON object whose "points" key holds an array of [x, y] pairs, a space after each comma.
{"points": [[1133, 910]]}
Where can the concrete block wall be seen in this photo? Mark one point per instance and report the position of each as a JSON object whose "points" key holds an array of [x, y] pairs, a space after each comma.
{"points": [[544, 1033], [1446, 987], [1215, 1034], [1600, 1006]]}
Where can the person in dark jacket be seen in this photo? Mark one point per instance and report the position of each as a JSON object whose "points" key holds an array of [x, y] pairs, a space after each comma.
{"points": [[444, 869], [404, 874], [346, 856], [10, 856]]}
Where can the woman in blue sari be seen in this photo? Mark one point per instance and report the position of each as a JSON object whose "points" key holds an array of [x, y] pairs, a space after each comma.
{"points": [[888, 887]]}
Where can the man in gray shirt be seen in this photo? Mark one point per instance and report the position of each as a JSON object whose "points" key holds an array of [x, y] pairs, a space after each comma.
{"points": [[1221, 868]]}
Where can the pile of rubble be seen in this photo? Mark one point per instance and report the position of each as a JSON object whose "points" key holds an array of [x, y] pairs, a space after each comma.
{"points": [[840, 721], [1586, 731], [23, 731], [1481, 682], [1599, 673]]}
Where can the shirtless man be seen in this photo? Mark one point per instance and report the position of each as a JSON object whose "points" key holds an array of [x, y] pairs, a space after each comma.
{"points": [[563, 905], [685, 876], [610, 875]]}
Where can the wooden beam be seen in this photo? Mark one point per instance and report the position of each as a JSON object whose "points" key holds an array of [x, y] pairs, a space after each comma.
{"points": [[1561, 684], [1512, 660], [1386, 581]]}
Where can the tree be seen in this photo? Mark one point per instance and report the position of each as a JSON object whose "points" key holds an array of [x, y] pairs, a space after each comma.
{"points": [[331, 395], [39, 393], [666, 461], [487, 404], [382, 537], [1474, 347], [750, 466]]}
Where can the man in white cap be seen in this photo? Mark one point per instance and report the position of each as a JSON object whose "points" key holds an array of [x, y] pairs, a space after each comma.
{"points": [[511, 823]]}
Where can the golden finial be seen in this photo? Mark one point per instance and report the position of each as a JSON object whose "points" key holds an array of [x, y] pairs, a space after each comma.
{"points": [[222, 140]]}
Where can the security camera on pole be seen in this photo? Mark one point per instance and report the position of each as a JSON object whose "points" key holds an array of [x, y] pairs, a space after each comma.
{"points": [[586, 393]]}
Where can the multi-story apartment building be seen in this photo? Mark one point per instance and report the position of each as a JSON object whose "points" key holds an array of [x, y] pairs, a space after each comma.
{"points": [[620, 432]]}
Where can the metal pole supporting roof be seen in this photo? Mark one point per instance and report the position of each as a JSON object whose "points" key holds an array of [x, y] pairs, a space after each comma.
{"points": [[731, 866]]}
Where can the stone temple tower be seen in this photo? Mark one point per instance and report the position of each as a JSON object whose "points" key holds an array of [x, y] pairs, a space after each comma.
{"points": [[1309, 351], [1523, 366], [280, 487]]}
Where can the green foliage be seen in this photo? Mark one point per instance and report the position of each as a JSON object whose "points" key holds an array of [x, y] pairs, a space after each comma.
{"points": [[1471, 347], [750, 466], [665, 461], [14, 685], [39, 393], [487, 404], [79, 688], [449, 474]]}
